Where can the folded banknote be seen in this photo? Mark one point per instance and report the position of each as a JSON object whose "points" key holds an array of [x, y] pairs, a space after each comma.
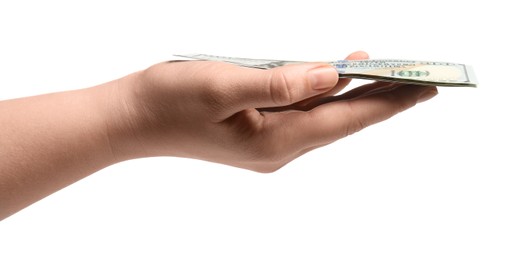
{"points": [[403, 71]]}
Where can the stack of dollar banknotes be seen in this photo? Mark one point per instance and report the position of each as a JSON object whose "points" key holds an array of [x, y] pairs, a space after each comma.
{"points": [[404, 71]]}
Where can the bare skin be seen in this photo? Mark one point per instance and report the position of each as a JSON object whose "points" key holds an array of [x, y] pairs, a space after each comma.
{"points": [[254, 119]]}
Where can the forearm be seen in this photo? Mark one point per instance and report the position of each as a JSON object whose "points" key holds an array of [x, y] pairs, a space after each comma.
{"points": [[50, 141]]}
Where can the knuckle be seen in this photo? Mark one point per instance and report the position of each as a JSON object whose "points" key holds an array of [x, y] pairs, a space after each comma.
{"points": [[281, 88], [355, 124], [405, 104]]}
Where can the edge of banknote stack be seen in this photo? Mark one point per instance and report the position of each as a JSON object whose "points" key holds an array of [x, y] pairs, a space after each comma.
{"points": [[445, 74]]}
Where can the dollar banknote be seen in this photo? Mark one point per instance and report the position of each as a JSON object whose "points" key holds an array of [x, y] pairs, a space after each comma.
{"points": [[403, 71]]}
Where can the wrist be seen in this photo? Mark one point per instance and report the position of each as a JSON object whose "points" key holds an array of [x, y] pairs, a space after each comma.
{"points": [[121, 115]]}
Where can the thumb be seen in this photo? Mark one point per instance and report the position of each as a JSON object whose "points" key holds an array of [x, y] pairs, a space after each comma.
{"points": [[281, 86]]}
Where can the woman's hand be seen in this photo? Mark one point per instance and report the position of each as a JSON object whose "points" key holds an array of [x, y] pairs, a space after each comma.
{"points": [[249, 118]]}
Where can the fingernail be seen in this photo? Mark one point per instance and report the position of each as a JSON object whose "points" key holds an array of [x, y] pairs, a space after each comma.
{"points": [[323, 77], [427, 94]]}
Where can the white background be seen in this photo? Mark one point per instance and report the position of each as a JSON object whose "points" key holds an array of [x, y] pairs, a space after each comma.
{"points": [[447, 179]]}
